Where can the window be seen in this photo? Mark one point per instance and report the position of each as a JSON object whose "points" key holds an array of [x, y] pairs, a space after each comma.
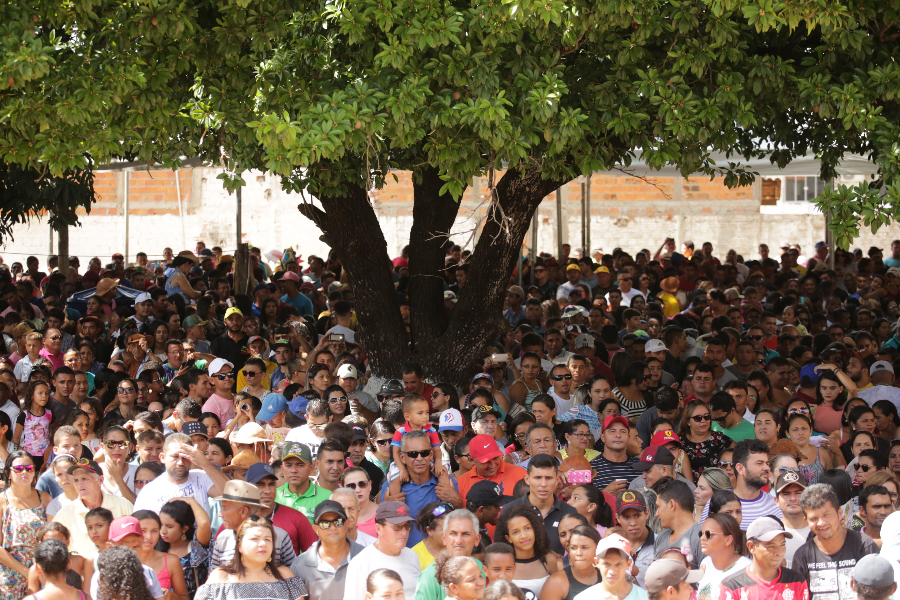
{"points": [[802, 189]]}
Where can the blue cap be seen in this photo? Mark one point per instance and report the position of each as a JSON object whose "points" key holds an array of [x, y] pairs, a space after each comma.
{"points": [[298, 406], [808, 375], [262, 286], [272, 404], [206, 252], [259, 471]]}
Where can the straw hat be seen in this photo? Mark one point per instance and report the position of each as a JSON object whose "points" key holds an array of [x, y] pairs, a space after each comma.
{"points": [[669, 284], [104, 286], [251, 433], [244, 460]]}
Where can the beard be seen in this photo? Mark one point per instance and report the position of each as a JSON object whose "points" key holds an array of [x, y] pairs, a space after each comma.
{"points": [[755, 481]]}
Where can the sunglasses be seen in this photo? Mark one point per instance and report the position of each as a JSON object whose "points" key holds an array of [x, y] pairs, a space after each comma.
{"points": [[866, 468], [115, 444], [328, 524], [720, 420], [142, 482], [398, 528], [353, 486], [755, 338], [55, 337], [126, 390], [707, 534], [418, 453], [383, 442], [794, 411], [250, 373], [539, 270], [224, 376], [724, 464], [701, 418], [338, 399], [21, 468], [561, 377]]}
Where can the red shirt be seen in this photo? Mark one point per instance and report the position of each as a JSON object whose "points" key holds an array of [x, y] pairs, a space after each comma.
{"points": [[294, 523], [426, 393]]}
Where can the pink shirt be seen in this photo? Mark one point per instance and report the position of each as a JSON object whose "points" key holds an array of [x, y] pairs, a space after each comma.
{"points": [[55, 359], [221, 407]]}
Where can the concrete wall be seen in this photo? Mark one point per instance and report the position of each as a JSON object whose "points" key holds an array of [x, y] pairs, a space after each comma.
{"points": [[625, 212]]}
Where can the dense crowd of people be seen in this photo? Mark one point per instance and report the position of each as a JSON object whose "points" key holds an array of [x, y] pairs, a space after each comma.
{"points": [[667, 425]]}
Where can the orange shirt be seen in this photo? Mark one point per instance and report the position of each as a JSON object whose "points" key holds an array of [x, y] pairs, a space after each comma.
{"points": [[506, 478]]}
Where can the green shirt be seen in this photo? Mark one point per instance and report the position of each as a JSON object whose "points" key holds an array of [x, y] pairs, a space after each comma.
{"points": [[306, 503], [428, 588], [740, 432]]}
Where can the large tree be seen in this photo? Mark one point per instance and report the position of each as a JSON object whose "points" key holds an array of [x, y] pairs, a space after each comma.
{"points": [[528, 93]]}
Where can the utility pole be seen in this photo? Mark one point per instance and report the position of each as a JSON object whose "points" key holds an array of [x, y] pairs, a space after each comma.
{"points": [[559, 240]]}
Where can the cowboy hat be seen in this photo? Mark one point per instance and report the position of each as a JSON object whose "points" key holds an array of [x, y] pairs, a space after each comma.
{"points": [[104, 286], [669, 284]]}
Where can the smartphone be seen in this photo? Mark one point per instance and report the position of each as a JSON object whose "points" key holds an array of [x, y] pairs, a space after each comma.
{"points": [[336, 337], [499, 358], [580, 476]]}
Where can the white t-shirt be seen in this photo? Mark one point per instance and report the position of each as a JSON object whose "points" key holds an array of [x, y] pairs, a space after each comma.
{"points": [[56, 505], [159, 491], [349, 334], [708, 588], [305, 435], [593, 592], [364, 539], [109, 484], [562, 405], [406, 565], [794, 543]]}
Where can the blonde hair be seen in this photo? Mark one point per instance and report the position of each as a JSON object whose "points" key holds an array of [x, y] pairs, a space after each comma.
{"points": [[881, 477], [717, 478]]}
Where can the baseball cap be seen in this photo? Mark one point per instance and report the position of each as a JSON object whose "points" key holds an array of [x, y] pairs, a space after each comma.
{"points": [[400, 262], [306, 286], [449, 295], [487, 376], [193, 321], [514, 289], [627, 500], [483, 448], [481, 412], [451, 420], [661, 438], [613, 542], [142, 297], [790, 477], [874, 570], [347, 371], [359, 434], [395, 513], [259, 471], [572, 267], [575, 329], [234, 310], [290, 276], [87, 465], [654, 455], [487, 493], [328, 507], [297, 450], [608, 421], [254, 338], [809, 375], [123, 526], [601, 269], [881, 365], [584, 340], [392, 387], [261, 287], [298, 406], [766, 529], [194, 428], [665, 573], [821, 244], [272, 404], [216, 365], [654, 346]]}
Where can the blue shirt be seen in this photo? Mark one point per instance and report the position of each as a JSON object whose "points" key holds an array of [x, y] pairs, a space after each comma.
{"points": [[418, 496], [303, 304]]}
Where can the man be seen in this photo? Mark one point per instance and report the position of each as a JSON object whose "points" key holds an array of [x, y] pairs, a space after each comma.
{"points": [[392, 525], [546, 286], [631, 509], [324, 566], [514, 314], [52, 349], [485, 500], [540, 439], [625, 288], [460, 537], [358, 457], [239, 501], [657, 462], [714, 355], [874, 507], [881, 374], [751, 468], [88, 480], [63, 383], [824, 559], [743, 365], [614, 469], [143, 312], [289, 283], [180, 480], [360, 402], [704, 384], [573, 277], [542, 478], [873, 578], [764, 577], [727, 419], [195, 333], [347, 498], [561, 379], [484, 420], [221, 401], [489, 465], [668, 579], [554, 346], [283, 354], [330, 464], [423, 487], [231, 345], [676, 341], [668, 407], [299, 492], [675, 510], [788, 488], [414, 382], [293, 522], [632, 319], [343, 314]]}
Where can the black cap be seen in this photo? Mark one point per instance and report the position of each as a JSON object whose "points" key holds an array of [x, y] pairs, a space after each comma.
{"points": [[194, 428], [328, 506], [87, 465], [487, 493], [392, 387], [480, 412]]}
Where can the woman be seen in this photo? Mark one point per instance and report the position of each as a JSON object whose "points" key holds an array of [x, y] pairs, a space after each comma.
{"points": [[701, 444], [711, 481], [894, 458], [185, 532], [384, 584], [357, 479], [524, 529], [722, 542], [889, 481], [594, 506], [166, 565], [499, 589], [94, 411], [766, 425], [813, 462], [430, 521], [269, 312], [22, 514], [178, 282], [587, 403], [254, 563], [614, 562], [160, 332], [780, 463], [655, 368], [543, 407], [126, 391], [567, 524], [631, 391], [520, 425], [120, 575], [726, 502], [461, 577], [887, 421], [525, 389], [51, 567], [579, 441], [380, 435], [146, 472], [319, 378], [338, 402], [862, 418], [581, 572], [831, 394]]}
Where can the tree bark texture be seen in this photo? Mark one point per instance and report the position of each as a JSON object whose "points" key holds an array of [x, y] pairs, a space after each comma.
{"points": [[448, 345]]}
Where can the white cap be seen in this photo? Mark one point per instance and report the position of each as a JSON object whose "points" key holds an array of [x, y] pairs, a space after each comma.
{"points": [[142, 297], [216, 365], [347, 371], [449, 295], [881, 365], [613, 542], [451, 420], [654, 346]]}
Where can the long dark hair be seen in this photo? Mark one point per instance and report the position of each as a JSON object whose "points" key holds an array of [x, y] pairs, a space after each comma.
{"points": [[824, 375], [120, 575], [236, 566], [180, 512], [7, 467], [731, 527], [541, 539], [98, 410], [29, 396], [603, 513]]}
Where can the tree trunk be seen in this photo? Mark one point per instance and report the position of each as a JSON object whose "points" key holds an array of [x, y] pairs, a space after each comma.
{"points": [[63, 249], [448, 346]]}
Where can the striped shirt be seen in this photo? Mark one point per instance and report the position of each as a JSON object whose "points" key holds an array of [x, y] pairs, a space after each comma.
{"points": [[631, 410], [608, 471], [763, 506], [223, 550]]}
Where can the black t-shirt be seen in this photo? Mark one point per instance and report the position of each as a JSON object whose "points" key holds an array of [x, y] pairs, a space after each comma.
{"points": [[234, 352], [829, 574]]}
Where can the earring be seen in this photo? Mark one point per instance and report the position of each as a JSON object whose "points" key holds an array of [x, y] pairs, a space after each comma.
{"points": [[270, 559], [183, 536]]}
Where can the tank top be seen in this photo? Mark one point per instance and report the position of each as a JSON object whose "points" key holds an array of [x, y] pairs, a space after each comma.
{"points": [[165, 577], [532, 587], [575, 586], [171, 288], [531, 394], [813, 471]]}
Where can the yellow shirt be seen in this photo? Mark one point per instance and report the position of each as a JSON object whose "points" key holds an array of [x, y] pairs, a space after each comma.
{"points": [[425, 557], [670, 304], [72, 516]]}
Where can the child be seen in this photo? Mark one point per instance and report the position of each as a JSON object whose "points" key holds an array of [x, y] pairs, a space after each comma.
{"points": [[167, 566], [92, 408], [97, 521], [384, 584], [60, 468], [149, 447], [33, 423], [79, 570], [51, 560], [33, 343], [415, 412]]}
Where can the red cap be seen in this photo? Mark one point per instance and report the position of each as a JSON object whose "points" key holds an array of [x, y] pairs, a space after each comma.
{"points": [[400, 262], [290, 276], [484, 448], [123, 526], [661, 438], [608, 421]]}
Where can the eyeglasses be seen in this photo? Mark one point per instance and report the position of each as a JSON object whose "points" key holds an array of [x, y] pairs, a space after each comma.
{"points": [[383, 442], [326, 524], [126, 390], [115, 444], [338, 399], [21, 468], [398, 528], [316, 425], [353, 486], [701, 418], [581, 435], [141, 482], [725, 464], [224, 376], [463, 456], [418, 453], [794, 411], [250, 373], [561, 377], [708, 534]]}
